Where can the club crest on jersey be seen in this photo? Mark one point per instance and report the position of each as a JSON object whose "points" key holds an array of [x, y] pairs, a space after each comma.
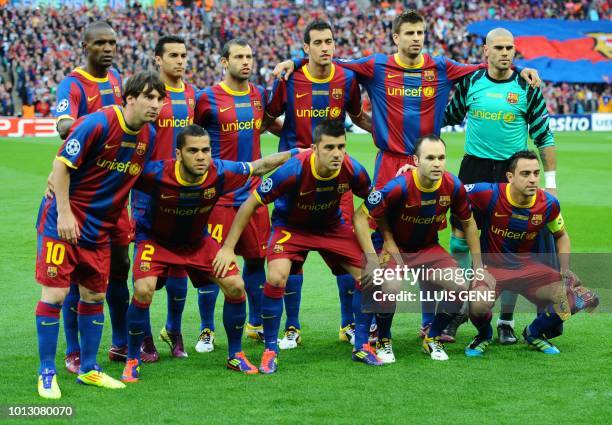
{"points": [[209, 193], [51, 271], [62, 106], [512, 98], [444, 201], [337, 93], [536, 219], [343, 187], [429, 75], [145, 266], [141, 148], [428, 91], [117, 91], [257, 104]]}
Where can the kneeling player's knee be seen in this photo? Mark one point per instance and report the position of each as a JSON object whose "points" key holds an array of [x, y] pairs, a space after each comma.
{"points": [[277, 278], [144, 290], [233, 287]]}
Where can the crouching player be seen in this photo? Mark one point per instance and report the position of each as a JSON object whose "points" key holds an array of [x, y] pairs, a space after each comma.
{"points": [[510, 216], [93, 173], [171, 232], [307, 191], [410, 210]]}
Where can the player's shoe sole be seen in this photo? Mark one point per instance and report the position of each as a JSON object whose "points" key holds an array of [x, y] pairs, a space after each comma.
{"points": [[47, 385]]}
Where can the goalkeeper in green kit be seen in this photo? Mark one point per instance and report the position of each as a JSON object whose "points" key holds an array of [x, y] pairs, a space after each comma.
{"points": [[502, 111]]}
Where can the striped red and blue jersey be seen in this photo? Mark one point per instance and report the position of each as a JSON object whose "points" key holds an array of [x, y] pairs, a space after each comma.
{"points": [[408, 102], [414, 213], [305, 200], [177, 212], [105, 159], [177, 112], [508, 227], [233, 120], [80, 93], [306, 101]]}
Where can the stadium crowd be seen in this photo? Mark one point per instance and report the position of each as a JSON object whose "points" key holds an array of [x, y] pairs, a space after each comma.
{"points": [[39, 46]]}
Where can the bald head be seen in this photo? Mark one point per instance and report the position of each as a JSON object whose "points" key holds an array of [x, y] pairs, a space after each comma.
{"points": [[100, 46], [498, 33]]}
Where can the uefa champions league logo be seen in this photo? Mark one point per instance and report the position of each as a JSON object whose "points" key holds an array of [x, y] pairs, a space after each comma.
{"points": [[266, 186], [73, 147], [62, 106], [375, 197]]}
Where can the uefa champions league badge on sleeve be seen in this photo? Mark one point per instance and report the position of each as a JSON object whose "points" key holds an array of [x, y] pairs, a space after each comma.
{"points": [[266, 185], [73, 147], [375, 197]]}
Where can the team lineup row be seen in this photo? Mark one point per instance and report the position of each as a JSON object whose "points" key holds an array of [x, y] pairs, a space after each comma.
{"points": [[149, 144]]}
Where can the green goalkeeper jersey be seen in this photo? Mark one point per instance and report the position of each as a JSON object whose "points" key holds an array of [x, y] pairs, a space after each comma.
{"points": [[499, 115]]}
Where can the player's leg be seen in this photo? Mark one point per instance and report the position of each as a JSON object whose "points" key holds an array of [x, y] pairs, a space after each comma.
{"points": [[118, 298], [72, 360], [176, 288], [292, 300], [137, 318], [363, 352], [480, 316], [505, 322], [346, 289], [254, 276], [207, 298], [47, 329], [383, 320], [92, 285], [272, 310], [234, 318]]}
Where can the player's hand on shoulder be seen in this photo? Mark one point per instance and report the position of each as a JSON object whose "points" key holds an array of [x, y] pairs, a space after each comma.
{"points": [[223, 261], [404, 168], [284, 68], [532, 77], [68, 227]]}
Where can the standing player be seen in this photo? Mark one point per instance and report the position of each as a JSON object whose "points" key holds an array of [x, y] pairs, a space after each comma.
{"points": [[92, 175], [307, 191], [410, 210], [232, 111], [510, 216], [317, 91], [172, 232], [83, 91], [502, 111], [409, 91], [177, 112]]}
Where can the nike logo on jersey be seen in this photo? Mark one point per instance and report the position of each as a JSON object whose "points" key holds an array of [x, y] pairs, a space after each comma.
{"points": [[301, 95], [225, 109], [135, 333], [110, 146], [92, 98], [500, 215], [49, 323], [389, 76], [306, 193], [411, 206], [164, 196]]}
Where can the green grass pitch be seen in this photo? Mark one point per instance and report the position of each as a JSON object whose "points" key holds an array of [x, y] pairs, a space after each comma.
{"points": [[318, 383]]}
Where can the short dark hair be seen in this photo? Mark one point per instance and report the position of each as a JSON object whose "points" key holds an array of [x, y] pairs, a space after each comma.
{"points": [[225, 51], [408, 16], [318, 25], [514, 159], [334, 128], [167, 39], [420, 140], [95, 26], [192, 130], [143, 82]]}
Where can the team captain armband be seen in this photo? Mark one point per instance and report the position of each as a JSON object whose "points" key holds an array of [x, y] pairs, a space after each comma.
{"points": [[556, 225]]}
